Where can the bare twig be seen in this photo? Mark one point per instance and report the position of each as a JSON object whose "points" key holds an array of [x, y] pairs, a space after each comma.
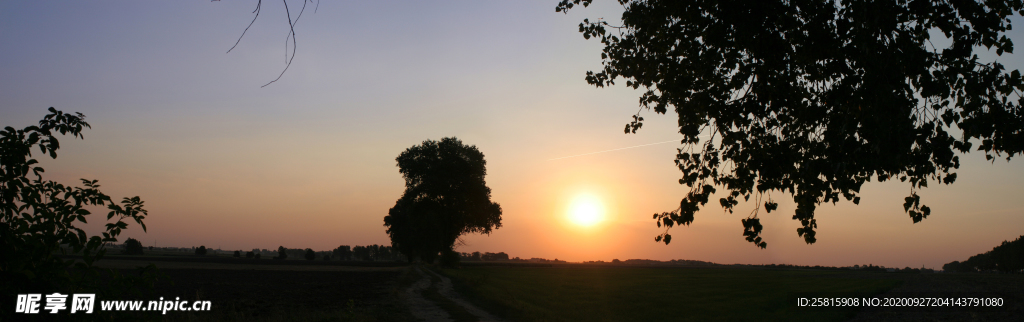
{"points": [[294, 23], [291, 33], [291, 27], [257, 12]]}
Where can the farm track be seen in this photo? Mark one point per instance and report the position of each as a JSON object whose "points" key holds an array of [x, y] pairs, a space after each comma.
{"points": [[426, 310]]}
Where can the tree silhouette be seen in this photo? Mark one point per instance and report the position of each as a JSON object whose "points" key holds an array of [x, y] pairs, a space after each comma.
{"points": [[201, 251], [282, 253], [1008, 257], [310, 254], [343, 252], [445, 196], [132, 246], [37, 217], [361, 253], [814, 98]]}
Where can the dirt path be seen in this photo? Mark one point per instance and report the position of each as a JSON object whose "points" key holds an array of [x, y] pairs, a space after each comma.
{"points": [[426, 310]]}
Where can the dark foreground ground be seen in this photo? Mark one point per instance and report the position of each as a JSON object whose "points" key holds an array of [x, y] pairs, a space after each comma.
{"points": [[619, 293], [267, 290], [246, 290], [247, 295]]}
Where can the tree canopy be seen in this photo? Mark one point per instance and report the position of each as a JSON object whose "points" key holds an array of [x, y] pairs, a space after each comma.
{"points": [[445, 197], [813, 98], [38, 218]]}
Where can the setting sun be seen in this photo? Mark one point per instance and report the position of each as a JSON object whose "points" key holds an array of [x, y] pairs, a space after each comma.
{"points": [[586, 210]]}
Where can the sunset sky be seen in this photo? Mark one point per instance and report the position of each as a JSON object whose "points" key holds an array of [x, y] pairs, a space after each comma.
{"points": [[309, 161]]}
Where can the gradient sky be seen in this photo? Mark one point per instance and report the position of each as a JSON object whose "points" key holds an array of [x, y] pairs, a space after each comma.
{"points": [[309, 161]]}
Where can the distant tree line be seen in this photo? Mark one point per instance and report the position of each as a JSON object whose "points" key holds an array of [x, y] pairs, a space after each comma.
{"points": [[341, 253], [367, 253], [477, 256], [1005, 258]]}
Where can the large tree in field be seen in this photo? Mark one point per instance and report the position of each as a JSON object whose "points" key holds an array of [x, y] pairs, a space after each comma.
{"points": [[445, 197], [813, 98]]}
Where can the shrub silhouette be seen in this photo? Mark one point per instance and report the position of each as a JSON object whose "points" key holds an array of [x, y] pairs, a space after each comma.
{"points": [[37, 219], [249, 255], [310, 254], [132, 246], [282, 253], [201, 251]]}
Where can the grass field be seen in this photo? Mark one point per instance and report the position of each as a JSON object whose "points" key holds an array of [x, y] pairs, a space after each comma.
{"points": [[269, 290], [281, 295], [299, 290], [581, 293], [575, 292]]}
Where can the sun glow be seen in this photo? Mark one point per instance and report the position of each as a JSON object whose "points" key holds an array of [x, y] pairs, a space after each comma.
{"points": [[586, 210]]}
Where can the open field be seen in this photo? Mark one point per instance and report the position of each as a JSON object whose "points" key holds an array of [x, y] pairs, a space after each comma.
{"points": [[281, 295], [270, 290], [299, 290], [606, 293], [245, 264]]}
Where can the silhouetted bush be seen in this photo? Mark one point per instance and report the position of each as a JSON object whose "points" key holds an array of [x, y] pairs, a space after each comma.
{"points": [[310, 254], [38, 217], [955, 266], [910, 270], [201, 251], [132, 246], [238, 253], [250, 255], [501, 256]]}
